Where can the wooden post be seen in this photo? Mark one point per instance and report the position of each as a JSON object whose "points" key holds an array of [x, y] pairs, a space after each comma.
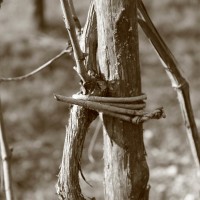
{"points": [[126, 171]]}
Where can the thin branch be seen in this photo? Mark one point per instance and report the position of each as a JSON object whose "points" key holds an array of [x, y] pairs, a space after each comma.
{"points": [[110, 99], [47, 64], [6, 156], [78, 54], [98, 106], [133, 116], [128, 106], [155, 114], [177, 80]]}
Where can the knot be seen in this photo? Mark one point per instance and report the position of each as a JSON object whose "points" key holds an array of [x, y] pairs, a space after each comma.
{"points": [[155, 114], [129, 109]]}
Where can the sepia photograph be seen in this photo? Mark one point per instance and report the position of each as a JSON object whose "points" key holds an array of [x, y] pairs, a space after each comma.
{"points": [[99, 100]]}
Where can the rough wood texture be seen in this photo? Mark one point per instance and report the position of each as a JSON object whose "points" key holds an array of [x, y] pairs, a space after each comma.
{"points": [[6, 159], [71, 29], [68, 187], [176, 78], [126, 171]]}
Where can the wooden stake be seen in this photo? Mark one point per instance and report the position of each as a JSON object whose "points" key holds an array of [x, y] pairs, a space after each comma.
{"points": [[125, 172]]}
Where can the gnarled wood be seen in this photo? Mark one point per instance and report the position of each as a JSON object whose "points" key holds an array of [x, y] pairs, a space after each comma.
{"points": [[176, 78], [6, 159], [68, 187]]}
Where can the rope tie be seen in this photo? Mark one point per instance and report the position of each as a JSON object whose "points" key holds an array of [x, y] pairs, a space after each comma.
{"points": [[129, 109]]}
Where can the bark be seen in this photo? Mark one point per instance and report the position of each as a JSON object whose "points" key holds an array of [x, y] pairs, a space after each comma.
{"points": [[6, 159], [178, 81], [68, 179], [126, 171], [68, 187]]}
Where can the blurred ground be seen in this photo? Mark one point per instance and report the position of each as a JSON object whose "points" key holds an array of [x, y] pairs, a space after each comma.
{"points": [[35, 123]]}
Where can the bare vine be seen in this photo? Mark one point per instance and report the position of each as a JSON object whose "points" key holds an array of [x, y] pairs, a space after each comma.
{"points": [[92, 98], [178, 81], [40, 68], [6, 159]]}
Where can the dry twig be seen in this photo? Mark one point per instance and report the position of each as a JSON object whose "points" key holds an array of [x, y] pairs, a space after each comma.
{"points": [[78, 54], [133, 116], [155, 114], [99, 106], [47, 64], [177, 80], [128, 106], [6, 157], [110, 99]]}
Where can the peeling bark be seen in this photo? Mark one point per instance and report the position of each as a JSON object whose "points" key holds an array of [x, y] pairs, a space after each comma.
{"points": [[126, 171], [68, 180]]}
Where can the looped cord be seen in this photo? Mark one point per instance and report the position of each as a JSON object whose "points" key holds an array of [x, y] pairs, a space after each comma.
{"points": [[129, 109]]}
